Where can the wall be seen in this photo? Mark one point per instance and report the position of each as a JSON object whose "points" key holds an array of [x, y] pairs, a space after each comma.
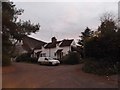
{"points": [[51, 52], [65, 50]]}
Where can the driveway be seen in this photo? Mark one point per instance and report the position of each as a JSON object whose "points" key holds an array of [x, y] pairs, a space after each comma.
{"points": [[24, 75]]}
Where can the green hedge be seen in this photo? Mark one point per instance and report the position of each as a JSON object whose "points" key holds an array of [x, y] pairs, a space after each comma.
{"points": [[26, 58], [103, 66], [71, 58]]}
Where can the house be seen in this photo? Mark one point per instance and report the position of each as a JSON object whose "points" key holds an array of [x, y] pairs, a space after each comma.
{"points": [[37, 48], [55, 49], [27, 45]]}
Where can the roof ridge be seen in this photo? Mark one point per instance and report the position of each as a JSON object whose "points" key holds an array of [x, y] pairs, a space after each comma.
{"points": [[35, 39]]}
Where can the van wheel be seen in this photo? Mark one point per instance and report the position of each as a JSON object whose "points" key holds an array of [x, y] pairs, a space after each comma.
{"points": [[39, 63], [50, 63]]}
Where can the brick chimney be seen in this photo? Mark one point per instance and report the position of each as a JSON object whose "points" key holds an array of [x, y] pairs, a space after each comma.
{"points": [[53, 39]]}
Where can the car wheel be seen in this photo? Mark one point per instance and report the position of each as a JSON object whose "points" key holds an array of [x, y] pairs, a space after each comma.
{"points": [[39, 63], [57, 64], [50, 63]]}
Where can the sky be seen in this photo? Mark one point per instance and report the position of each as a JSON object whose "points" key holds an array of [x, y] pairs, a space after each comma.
{"points": [[64, 20]]}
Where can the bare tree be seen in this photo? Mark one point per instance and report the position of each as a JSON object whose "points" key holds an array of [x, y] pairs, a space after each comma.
{"points": [[109, 16]]}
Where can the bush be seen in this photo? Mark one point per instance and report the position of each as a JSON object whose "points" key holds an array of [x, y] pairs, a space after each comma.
{"points": [[100, 47], [26, 58], [71, 58], [6, 60], [34, 60], [103, 66], [23, 57]]}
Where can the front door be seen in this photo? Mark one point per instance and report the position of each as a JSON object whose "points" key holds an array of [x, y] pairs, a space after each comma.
{"points": [[59, 55]]}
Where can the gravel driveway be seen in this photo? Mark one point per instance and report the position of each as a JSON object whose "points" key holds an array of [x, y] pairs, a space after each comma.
{"points": [[24, 75]]}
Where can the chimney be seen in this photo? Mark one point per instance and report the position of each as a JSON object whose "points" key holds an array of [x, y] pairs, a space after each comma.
{"points": [[54, 40]]}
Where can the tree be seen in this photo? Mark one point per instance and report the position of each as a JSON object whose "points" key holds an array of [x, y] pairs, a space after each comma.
{"points": [[106, 44], [103, 50], [85, 35], [13, 31], [83, 38]]}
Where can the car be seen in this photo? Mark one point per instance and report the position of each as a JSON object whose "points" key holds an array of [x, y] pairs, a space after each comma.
{"points": [[48, 61]]}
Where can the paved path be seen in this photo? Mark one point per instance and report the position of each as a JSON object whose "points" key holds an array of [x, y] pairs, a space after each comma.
{"points": [[24, 75]]}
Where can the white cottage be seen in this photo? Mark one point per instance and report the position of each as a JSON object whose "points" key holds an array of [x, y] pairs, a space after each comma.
{"points": [[55, 49]]}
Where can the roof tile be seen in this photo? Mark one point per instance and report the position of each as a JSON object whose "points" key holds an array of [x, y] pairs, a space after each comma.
{"points": [[66, 42]]}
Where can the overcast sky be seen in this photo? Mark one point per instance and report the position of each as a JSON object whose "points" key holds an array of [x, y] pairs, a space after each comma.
{"points": [[64, 20]]}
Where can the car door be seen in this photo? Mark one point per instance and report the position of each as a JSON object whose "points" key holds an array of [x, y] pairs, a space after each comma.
{"points": [[46, 60], [42, 60]]}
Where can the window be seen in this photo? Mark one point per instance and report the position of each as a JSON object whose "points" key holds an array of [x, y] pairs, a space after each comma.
{"points": [[55, 54], [46, 59], [43, 54]]}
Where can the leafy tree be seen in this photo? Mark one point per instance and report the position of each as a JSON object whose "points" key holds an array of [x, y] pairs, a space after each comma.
{"points": [[84, 37], [13, 31], [86, 33], [104, 48], [107, 27], [106, 44]]}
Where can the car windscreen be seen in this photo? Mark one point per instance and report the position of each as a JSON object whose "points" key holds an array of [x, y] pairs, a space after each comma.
{"points": [[49, 58]]}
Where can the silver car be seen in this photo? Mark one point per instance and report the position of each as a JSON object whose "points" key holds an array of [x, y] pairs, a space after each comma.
{"points": [[48, 61]]}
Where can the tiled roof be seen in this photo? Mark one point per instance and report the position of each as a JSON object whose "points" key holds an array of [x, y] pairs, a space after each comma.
{"points": [[63, 43], [59, 50], [31, 43], [66, 42], [51, 45], [38, 47]]}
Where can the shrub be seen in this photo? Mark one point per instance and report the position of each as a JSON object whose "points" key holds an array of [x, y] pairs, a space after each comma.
{"points": [[22, 57], [6, 60], [100, 47], [103, 66], [34, 60], [71, 58], [26, 58]]}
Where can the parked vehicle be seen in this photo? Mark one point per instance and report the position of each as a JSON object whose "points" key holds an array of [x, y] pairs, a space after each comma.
{"points": [[48, 61]]}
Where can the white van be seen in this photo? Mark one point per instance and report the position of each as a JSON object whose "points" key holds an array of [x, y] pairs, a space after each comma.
{"points": [[48, 61]]}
